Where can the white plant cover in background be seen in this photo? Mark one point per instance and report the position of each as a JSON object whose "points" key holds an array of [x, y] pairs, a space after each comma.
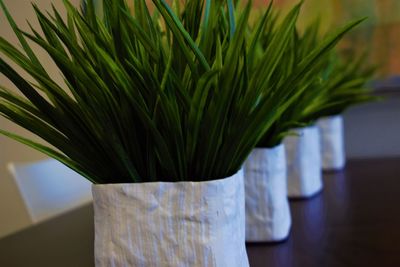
{"points": [[267, 208], [171, 224], [332, 143], [303, 156]]}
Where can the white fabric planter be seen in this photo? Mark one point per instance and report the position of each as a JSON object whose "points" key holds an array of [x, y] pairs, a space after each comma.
{"points": [[170, 224], [267, 208], [332, 143], [303, 156]]}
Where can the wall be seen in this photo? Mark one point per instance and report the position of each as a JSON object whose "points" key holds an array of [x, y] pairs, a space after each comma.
{"points": [[373, 130], [13, 214]]}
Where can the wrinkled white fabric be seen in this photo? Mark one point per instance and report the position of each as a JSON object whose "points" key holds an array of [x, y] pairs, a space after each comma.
{"points": [[303, 156], [170, 224], [332, 143], [267, 208]]}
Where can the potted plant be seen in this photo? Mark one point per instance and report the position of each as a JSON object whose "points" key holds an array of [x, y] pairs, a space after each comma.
{"points": [[267, 209], [156, 111], [323, 97], [347, 86], [304, 174]]}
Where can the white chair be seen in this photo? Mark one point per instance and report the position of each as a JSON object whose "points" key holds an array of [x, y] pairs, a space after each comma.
{"points": [[49, 188]]}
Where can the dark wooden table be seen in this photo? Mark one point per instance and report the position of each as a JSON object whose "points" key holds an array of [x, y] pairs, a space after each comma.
{"points": [[354, 222]]}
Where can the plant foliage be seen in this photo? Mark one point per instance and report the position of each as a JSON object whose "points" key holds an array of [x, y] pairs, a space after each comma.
{"points": [[326, 89], [174, 95], [346, 83]]}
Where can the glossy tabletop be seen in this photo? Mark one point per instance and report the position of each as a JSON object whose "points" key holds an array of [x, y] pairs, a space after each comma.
{"points": [[355, 221]]}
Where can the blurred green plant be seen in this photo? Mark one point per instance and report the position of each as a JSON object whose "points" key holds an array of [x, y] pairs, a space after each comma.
{"points": [[175, 95], [327, 89], [345, 83]]}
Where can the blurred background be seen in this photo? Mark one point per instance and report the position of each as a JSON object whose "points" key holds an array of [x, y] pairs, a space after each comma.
{"points": [[372, 130]]}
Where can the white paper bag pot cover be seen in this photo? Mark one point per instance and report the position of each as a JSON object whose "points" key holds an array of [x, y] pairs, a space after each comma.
{"points": [[267, 208], [332, 143], [303, 158], [171, 224]]}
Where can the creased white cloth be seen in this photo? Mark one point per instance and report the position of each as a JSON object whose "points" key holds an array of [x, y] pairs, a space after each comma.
{"points": [[332, 143], [303, 156], [171, 224], [267, 208]]}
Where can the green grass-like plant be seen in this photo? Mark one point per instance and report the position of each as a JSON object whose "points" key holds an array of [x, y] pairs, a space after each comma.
{"points": [[177, 95], [346, 83], [327, 89]]}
